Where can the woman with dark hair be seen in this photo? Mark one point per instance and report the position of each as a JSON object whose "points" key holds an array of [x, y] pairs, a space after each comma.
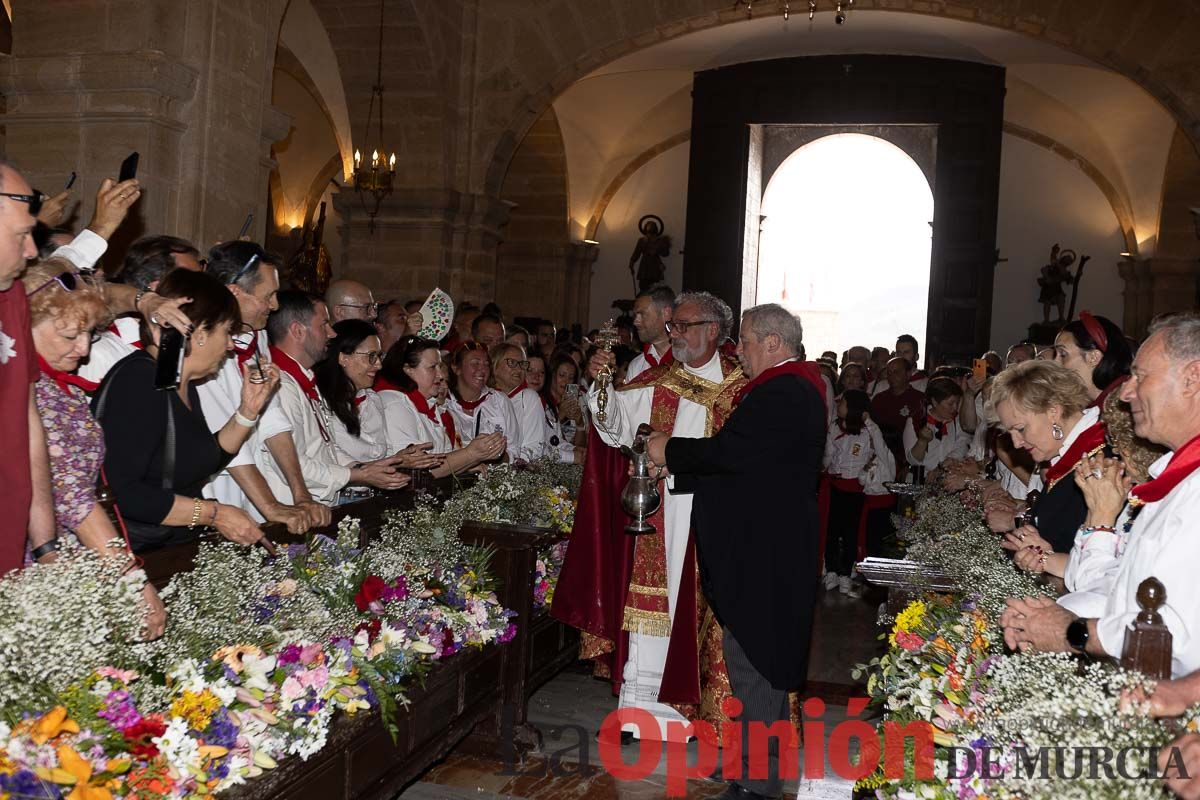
{"points": [[853, 447], [1096, 350], [535, 373], [853, 378], [564, 412], [408, 385], [478, 408], [345, 377], [938, 436], [159, 450]]}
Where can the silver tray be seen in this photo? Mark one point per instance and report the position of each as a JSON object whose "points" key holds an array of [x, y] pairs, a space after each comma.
{"points": [[907, 489]]}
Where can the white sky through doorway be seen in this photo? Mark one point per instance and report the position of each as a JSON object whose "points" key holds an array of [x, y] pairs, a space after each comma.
{"points": [[845, 242]]}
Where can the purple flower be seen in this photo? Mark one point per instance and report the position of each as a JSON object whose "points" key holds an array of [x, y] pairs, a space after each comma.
{"points": [[119, 710], [221, 731], [26, 784], [289, 655], [508, 634]]}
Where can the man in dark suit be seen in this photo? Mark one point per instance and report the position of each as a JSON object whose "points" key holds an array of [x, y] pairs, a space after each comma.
{"points": [[755, 517]]}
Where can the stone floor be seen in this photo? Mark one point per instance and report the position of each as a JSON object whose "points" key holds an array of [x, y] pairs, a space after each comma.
{"points": [[844, 634]]}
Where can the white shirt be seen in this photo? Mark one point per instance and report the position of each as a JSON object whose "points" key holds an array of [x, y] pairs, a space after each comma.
{"points": [[293, 413], [404, 425], [1162, 544], [531, 420], [1092, 567], [111, 348], [493, 414], [84, 250], [953, 444], [640, 363], [220, 397], [854, 455], [371, 443]]}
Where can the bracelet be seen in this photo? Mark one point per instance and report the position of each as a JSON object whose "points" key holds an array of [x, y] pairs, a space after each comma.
{"points": [[197, 507], [1093, 528], [212, 523], [45, 549], [245, 422], [137, 299]]}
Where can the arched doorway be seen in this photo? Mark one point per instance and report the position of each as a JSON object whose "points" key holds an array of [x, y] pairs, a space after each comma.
{"points": [[845, 242]]}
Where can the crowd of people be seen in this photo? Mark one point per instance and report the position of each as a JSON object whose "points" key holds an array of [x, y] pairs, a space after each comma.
{"points": [[202, 395]]}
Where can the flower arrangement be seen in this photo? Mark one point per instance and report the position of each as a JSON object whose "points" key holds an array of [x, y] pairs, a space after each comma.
{"points": [[258, 656], [945, 665]]}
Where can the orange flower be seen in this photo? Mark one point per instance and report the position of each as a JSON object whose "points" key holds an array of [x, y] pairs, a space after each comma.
{"points": [[52, 724], [81, 770]]}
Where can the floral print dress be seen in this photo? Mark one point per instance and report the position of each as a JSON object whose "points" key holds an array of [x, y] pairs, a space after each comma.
{"points": [[76, 447]]}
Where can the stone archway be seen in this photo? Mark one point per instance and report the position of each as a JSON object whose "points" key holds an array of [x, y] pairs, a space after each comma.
{"points": [[1152, 44]]}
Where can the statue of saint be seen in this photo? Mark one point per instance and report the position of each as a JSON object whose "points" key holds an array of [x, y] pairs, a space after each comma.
{"points": [[1055, 275], [649, 252]]}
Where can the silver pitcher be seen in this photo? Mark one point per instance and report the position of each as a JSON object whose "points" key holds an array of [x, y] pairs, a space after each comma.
{"points": [[640, 498]]}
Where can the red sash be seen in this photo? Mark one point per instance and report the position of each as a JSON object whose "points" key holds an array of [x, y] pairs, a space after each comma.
{"points": [[654, 361], [420, 403], [1183, 463], [805, 369], [1088, 442], [293, 368], [520, 388], [65, 379]]}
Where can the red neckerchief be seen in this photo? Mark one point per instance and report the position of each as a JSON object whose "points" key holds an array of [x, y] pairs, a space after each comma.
{"points": [[653, 360], [918, 375], [245, 352], [518, 390], [1087, 442], [470, 405], [359, 400], [939, 427], [1183, 463], [841, 423], [65, 379], [382, 384], [1100, 398], [115, 331], [421, 403], [804, 369], [293, 368]]}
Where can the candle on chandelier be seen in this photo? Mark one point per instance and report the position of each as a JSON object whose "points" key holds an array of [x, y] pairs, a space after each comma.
{"points": [[392, 163], [357, 159], [375, 159]]}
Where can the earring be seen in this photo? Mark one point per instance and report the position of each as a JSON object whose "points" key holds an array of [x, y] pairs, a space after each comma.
{"points": [[1057, 432]]}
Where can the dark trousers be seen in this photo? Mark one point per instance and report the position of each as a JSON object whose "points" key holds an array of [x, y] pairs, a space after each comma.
{"points": [[879, 528], [841, 541], [761, 702]]}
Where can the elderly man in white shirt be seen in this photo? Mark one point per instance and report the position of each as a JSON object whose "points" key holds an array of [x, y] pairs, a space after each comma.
{"points": [[1164, 396]]}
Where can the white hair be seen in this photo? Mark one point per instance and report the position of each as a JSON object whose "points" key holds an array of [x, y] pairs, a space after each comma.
{"points": [[714, 307], [1181, 334], [772, 318]]}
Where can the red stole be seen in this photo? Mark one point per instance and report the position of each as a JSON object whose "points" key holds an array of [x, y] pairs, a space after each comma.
{"points": [[65, 379], [804, 369], [1086, 443], [292, 367], [1183, 463]]}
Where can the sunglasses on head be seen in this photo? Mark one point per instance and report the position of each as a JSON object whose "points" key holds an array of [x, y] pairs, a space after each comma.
{"points": [[34, 200], [69, 281]]}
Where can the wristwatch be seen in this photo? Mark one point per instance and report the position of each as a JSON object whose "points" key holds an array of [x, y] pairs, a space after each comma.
{"points": [[1077, 634]]}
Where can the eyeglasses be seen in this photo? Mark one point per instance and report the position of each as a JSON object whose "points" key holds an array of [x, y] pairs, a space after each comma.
{"points": [[681, 326], [373, 356], [371, 308], [69, 281], [515, 364], [34, 200]]}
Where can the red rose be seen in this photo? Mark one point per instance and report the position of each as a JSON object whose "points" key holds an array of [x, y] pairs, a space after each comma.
{"points": [[372, 627], [139, 735], [371, 590]]}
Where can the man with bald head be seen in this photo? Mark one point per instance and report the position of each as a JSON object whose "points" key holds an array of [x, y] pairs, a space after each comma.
{"points": [[350, 300], [26, 504]]}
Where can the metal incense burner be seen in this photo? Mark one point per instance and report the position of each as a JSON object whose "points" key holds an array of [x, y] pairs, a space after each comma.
{"points": [[640, 498]]}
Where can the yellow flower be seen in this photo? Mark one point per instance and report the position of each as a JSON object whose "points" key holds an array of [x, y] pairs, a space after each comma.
{"points": [[52, 724], [196, 709], [908, 619]]}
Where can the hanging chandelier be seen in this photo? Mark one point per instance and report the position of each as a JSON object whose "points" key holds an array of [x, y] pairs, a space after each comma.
{"points": [[374, 181], [841, 9]]}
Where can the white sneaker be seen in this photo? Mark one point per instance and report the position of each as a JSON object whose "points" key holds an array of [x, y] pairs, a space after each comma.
{"points": [[856, 589], [831, 581], [844, 584]]}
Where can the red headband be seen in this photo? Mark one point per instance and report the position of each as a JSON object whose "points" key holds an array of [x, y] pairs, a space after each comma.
{"points": [[1095, 330]]}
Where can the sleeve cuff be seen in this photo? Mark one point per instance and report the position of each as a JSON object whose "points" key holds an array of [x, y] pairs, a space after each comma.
{"points": [[84, 250]]}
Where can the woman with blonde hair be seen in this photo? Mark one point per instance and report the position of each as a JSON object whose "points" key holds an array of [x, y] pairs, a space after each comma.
{"points": [[66, 308], [509, 366], [1043, 406]]}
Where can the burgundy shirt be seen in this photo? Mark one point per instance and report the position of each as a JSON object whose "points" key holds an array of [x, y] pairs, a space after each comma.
{"points": [[890, 411], [18, 369]]}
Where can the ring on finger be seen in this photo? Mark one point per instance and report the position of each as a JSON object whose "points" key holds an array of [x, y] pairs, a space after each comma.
{"points": [[154, 319]]}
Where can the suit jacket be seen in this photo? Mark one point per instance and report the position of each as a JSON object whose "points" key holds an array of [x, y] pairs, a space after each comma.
{"points": [[755, 520]]}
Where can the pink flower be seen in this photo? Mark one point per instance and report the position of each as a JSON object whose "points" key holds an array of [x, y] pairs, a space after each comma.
{"points": [[291, 689], [909, 641], [122, 675], [314, 678]]}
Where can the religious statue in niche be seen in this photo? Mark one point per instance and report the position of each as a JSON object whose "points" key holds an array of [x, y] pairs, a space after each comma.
{"points": [[1056, 275], [651, 248], [309, 269]]}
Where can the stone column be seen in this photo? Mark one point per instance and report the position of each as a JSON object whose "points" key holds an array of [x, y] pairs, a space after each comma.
{"points": [[1157, 286], [581, 261], [185, 83], [422, 238]]}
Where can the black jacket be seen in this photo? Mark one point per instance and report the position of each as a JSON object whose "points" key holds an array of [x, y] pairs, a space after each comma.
{"points": [[755, 518]]}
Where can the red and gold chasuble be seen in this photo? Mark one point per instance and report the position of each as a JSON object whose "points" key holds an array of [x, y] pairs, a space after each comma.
{"points": [[646, 606]]}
